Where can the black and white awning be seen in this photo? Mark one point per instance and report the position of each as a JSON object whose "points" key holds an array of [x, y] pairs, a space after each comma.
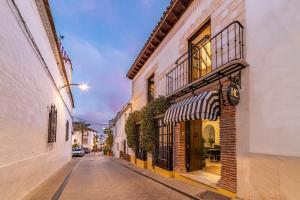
{"points": [[203, 106]]}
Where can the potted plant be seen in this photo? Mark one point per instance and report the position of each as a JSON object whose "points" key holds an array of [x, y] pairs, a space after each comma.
{"points": [[211, 141], [105, 151]]}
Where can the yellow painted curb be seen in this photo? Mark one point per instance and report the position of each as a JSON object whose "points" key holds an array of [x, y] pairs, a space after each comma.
{"points": [[141, 163], [149, 165], [132, 159], [218, 190], [163, 172]]}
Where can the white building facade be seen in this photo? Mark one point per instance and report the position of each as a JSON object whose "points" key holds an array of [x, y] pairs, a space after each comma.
{"points": [[258, 137], [120, 143], [87, 139], [35, 115]]}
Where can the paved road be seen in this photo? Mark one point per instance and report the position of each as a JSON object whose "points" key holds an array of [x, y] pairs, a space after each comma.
{"points": [[98, 177]]}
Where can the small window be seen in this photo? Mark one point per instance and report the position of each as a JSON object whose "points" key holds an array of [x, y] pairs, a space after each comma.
{"points": [[67, 130], [151, 88], [75, 140], [52, 124]]}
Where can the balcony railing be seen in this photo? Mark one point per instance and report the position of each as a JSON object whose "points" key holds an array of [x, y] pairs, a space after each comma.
{"points": [[208, 55]]}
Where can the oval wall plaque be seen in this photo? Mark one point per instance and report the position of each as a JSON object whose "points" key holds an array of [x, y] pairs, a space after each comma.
{"points": [[233, 94]]}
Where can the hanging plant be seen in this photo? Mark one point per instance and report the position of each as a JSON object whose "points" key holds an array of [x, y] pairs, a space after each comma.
{"points": [[156, 107], [130, 129]]}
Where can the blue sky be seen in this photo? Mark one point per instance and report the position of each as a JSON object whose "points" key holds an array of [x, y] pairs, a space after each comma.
{"points": [[103, 38]]}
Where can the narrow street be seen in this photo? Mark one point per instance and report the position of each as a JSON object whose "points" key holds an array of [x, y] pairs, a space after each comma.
{"points": [[98, 177]]}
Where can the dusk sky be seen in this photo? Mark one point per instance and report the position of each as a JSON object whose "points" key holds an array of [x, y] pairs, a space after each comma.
{"points": [[103, 37]]}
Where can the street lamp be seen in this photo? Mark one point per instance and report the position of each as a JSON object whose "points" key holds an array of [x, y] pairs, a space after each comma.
{"points": [[82, 86]]}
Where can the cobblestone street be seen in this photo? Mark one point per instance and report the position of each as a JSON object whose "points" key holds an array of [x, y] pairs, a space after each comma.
{"points": [[98, 177]]}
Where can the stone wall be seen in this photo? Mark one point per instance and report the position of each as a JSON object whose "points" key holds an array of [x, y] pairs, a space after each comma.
{"points": [[220, 12], [179, 148]]}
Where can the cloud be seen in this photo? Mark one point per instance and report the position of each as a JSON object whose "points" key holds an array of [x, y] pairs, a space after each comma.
{"points": [[104, 69], [96, 10]]}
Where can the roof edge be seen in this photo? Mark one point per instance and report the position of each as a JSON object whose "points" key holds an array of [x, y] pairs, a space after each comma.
{"points": [[170, 17], [51, 20]]}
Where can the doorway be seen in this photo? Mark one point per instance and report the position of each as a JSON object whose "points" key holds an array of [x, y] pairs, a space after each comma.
{"points": [[203, 150], [193, 146]]}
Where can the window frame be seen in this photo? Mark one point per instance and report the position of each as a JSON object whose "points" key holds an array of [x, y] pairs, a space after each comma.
{"points": [[67, 130], [164, 144], [191, 48], [139, 152], [150, 93], [52, 124]]}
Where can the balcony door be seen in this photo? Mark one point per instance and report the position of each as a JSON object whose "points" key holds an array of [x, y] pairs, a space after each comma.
{"points": [[200, 53]]}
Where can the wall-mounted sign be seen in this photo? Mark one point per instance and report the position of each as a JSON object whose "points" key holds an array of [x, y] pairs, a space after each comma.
{"points": [[233, 94]]}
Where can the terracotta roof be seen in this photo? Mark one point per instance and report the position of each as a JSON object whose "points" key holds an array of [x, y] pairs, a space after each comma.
{"points": [[169, 18]]}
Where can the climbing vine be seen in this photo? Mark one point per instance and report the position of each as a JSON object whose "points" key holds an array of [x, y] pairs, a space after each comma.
{"points": [[130, 129], [156, 107], [147, 124]]}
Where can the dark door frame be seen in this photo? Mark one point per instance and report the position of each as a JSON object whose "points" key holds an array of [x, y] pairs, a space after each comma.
{"points": [[187, 147]]}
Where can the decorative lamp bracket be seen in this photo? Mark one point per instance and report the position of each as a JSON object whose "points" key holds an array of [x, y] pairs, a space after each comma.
{"points": [[236, 79]]}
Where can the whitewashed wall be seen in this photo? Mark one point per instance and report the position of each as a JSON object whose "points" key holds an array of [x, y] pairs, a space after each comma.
{"points": [[120, 135], [269, 112], [26, 158], [77, 135]]}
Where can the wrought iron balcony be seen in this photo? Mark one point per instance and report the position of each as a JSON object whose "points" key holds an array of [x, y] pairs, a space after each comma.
{"points": [[206, 61]]}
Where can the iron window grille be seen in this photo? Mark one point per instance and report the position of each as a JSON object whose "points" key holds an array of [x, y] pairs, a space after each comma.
{"points": [[52, 124], [140, 153], [67, 130], [163, 145], [151, 88]]}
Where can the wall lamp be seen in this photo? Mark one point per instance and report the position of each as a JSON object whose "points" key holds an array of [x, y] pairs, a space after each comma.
{"points": [[82, 86]]}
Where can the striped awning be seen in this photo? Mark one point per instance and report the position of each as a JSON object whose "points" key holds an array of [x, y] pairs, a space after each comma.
{"points": [[203, 106]]}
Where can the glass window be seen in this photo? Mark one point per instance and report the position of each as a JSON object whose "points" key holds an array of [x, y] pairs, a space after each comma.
{"points": [[151, 88], [200, 53], [67, 130]]}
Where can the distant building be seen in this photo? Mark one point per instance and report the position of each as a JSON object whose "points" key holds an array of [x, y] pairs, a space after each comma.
{"points": [[86, 139], [35, 113], [120, 148]]}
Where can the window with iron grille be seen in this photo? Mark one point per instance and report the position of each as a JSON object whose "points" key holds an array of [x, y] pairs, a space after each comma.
{"points": [[140, 153], [151, 88], [164, 145], [52, 124], [67, 130]]}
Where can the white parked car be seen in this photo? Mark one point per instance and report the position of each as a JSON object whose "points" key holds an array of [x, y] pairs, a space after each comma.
{"points": [[78, 152]]}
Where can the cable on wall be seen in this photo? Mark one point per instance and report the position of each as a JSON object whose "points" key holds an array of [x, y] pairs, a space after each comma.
{"points": [[29, 35]]}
